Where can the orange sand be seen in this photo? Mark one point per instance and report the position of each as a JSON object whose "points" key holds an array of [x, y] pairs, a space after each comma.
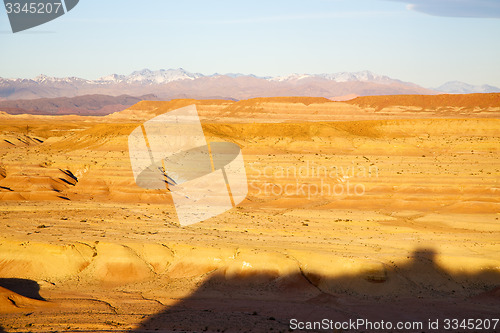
{"points": [[83, 248]]}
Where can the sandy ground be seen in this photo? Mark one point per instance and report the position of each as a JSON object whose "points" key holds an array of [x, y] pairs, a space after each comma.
{"points": [[352, 212]]}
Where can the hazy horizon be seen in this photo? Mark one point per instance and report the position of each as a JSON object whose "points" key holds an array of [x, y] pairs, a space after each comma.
{"points": [[248, 74]]}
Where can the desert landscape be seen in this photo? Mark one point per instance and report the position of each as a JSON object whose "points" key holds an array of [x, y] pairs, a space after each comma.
{"points": [[378, 208]]}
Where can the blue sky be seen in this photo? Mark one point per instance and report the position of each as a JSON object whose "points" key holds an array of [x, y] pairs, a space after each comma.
{"points": [[427, 42]]}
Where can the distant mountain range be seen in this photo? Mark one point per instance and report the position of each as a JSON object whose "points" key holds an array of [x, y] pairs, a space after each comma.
{"points": [[73, 95], [457, 87], [179, 83]]}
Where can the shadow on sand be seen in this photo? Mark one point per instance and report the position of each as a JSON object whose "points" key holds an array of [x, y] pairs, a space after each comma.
{"points": [[415, 291], [23, 287]]}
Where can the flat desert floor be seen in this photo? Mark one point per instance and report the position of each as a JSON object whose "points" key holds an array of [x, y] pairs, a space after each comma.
{"points": [[376, 209]]}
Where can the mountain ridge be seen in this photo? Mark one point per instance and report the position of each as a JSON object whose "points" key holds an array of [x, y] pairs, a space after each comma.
{"points": [[147, 76], [180, 83], [458, 87]]}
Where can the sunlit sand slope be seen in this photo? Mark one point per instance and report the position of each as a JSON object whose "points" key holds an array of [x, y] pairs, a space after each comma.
{"points": [[350, 205]]}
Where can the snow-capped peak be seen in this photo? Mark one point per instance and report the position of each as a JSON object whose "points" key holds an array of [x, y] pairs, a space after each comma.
{"points": [[147, 76], [363, 76], [291, 77], [457, 87], [113, 78], [44, 79]]}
